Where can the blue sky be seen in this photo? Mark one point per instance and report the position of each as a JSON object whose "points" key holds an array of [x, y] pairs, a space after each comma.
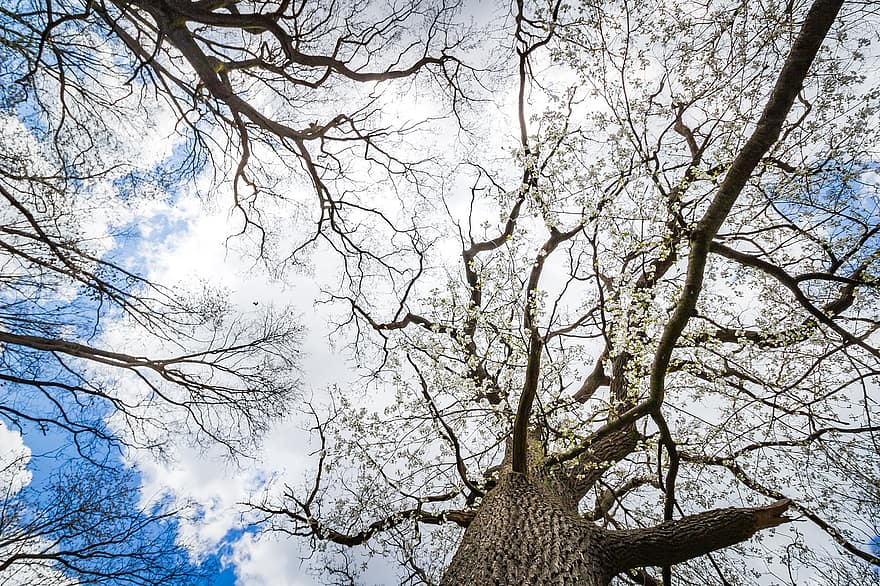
{"points": [[53, 451], [81, 317]]}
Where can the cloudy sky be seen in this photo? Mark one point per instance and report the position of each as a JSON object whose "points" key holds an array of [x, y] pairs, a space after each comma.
{"points": [[189, 239]]}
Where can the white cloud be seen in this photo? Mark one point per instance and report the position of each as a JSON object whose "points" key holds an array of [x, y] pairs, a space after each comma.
{"points": [[14, 458], [268, 560], [210, 488]]}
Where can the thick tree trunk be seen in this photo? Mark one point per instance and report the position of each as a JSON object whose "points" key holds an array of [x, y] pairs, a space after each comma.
{"points": [[524, 533]]}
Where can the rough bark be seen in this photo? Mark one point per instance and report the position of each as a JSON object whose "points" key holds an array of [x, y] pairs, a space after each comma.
{"points": [[525, 533], [677, 541]]}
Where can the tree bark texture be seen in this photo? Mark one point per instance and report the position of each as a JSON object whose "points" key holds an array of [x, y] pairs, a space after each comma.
{"points": [[525, 533]]}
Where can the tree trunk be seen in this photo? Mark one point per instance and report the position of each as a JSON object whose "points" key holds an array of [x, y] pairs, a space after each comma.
{"points": [[525, 533]]}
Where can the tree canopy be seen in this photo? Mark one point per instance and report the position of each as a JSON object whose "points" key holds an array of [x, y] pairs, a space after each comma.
{"points": [[607, 272]]}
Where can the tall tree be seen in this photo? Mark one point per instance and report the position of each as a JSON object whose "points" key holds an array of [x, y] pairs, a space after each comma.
{"points": [[663, 304]]}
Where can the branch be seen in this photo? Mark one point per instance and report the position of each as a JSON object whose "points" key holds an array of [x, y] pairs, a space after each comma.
{"points": [[835, 533], [316, 529], [536, 346], [640, 577], [597, 378], [816, 25], [612, 495], [450, 433], [677, 541], [791, 283]]}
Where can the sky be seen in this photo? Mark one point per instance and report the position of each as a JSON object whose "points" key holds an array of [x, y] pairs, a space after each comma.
{"points": [[199, 253], [181, 238], [177, 238]]}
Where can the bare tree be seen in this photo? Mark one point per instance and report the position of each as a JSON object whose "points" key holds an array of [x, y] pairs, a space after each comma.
{"points": [[666, 343], [228, 373], [87, 528], [210, 376]]}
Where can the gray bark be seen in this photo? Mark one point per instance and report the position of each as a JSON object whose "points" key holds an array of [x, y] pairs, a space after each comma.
{"points": [[525, 533]]}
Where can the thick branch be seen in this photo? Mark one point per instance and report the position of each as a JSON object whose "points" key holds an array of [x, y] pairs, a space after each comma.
{"points": [[816, 26], [673, 542], [536, 346], [741, 475], [597, 378], [606, 450]]}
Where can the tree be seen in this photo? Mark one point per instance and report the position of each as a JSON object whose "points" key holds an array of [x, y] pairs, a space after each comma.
{"points": [[667, 294], [189, 368], [88, 529]]}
